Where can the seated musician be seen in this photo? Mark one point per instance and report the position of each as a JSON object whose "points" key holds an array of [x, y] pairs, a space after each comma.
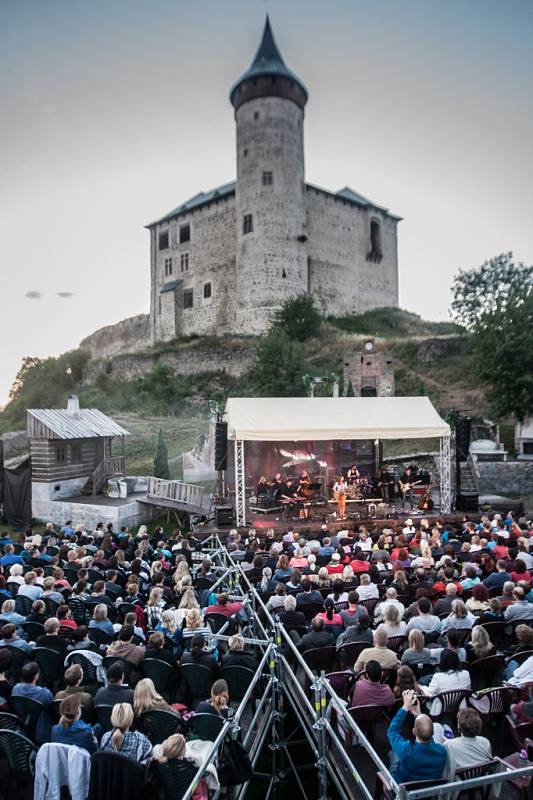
{"points": [[262, 486], [353, 474]]}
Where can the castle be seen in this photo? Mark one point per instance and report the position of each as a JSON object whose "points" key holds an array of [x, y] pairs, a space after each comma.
{"points": [[224, 261]]}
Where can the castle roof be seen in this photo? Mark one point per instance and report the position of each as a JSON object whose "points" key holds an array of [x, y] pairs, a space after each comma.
{"points": [[200, 199], [268, 63], [227, 189]]}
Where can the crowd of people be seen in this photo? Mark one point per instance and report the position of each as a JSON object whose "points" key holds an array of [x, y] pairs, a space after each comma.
{"points": [[409, 611]]}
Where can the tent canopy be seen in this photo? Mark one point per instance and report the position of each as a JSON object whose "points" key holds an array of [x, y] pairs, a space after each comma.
{"points": [[295, 419]]}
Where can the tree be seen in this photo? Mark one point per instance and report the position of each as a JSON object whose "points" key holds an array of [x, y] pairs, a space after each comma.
{"points": [[491, 289], [299, 318], [161, 468], [495, 302], [279, 367]]}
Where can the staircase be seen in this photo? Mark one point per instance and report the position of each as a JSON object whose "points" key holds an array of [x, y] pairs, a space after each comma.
{"points": [[469, 476], [111, 467]]}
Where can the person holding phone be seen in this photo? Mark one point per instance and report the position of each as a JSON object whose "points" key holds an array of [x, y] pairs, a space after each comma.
{"points": [[421, 760]]}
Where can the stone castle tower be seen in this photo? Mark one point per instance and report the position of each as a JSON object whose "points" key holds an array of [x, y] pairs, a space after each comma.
{"points": [[269, 102], [226, 260]]}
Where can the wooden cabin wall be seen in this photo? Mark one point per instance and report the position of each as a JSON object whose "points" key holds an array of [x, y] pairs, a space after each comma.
{"points": [[81, 457]]}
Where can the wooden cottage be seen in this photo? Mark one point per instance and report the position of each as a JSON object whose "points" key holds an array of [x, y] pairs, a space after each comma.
{"points": [[71, 450]]}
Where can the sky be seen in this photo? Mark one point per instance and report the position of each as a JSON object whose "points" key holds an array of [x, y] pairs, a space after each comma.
{"points": [[116, 111]]}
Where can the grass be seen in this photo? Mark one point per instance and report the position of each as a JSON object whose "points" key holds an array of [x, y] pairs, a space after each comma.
{"points": [[392, 322]]}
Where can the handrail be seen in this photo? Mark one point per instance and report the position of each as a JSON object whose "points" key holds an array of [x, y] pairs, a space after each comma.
{"points": [[111, 465], [175, 491]]}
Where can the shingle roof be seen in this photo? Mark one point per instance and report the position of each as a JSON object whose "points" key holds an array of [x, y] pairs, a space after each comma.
{"points": [[86, 424], [268, 61], [200, 199]]}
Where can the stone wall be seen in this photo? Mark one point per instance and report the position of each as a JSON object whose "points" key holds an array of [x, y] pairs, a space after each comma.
{"points": [[506, 477], [341, 278], [131, 335], [14, 442], [193, 359]]}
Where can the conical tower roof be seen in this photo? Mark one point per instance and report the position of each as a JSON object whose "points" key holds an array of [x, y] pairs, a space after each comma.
{"points": [[268, 64]]}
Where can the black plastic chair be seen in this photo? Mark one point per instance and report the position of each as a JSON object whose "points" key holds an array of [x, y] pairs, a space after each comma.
{"points": [[175, 777], [341, 682], [201, 584], [33, 630], [349, 653], [320, 658], [370, 605], [199, 679], [28, 711], [114, 777], [103, 716], [12, 722], [206, 726], [310, 610], [126, 665], [23, 605], [78, 610], [238, 679], [396, 643], [485, 671], [99, 637], [216, 621], [161, 674], [90, 674], [366, 717], [125, 608], [159, 724], [13, 587], [51, 607], [50, 664], [18, 659], [20, 753]]}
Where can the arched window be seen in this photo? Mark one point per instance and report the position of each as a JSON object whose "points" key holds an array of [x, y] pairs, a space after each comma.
{"points": [[375, 252]]}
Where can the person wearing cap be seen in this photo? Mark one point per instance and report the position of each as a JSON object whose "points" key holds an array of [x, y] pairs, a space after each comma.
{"points": [[335, 567]]}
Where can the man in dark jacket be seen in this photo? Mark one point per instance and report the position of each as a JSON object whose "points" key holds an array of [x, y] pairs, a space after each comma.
{"points": [[289, 617], [51, 639], [236, 656], [317, 638], [308, 594]]}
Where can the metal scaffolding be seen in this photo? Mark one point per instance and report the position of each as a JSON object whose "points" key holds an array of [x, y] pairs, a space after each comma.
{"points": [[240, 484], [445, 475], [284, 685]]}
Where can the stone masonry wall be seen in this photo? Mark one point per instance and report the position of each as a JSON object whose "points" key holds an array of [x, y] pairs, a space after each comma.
{"points": [[506, 477], [128, 336], [340, 277], [191, 360]]}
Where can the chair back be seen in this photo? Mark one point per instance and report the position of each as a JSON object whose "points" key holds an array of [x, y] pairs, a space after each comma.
{"points": [[206, 726], [238, 679], [51, 606], [33, 630], [99, 637], [350, 652], [160, 673], [114, 777], [78, 610], [23, 605], [370, 605], [175, 777], [199, 679], [216, 621], [28, 711], [103, 715], [310, 610], [19, 751], [521, 657], [477, 771], [450, 701], [485, 671], [13, 587], [126, 665], [320, 658], [11, 722], [50, 663], [396, 643], [159, 724], [90, 675], [341, 682], [18, 659], [341, 605], [201, 584]]}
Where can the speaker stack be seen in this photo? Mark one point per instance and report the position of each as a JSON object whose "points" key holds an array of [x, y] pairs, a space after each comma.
{"points": [[224, 516], [221, 446]]}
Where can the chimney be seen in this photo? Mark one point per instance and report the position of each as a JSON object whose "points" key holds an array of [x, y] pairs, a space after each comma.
{"points": [[73, 405]]}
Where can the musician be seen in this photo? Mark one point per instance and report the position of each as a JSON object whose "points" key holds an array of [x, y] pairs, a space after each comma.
{"points": [[339, 493], [277, 487], [289, 496], [406, 483], [262, 486], [385, 484], [353, 474]]}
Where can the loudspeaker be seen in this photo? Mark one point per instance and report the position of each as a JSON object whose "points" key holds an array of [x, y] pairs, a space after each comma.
{"points": [[221, 446], [467, 501], [224, 516], [463, 427]]}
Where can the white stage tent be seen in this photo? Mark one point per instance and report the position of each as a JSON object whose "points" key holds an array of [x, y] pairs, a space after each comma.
{"points": [[317, 418]]}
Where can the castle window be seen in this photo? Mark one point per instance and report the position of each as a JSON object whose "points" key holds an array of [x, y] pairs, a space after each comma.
{"points": [[247, 223], [187, 298], [256, 114], [185, 233], [283, 273], [375, 253], [245, 152], [207, 291], [168, 266], [163, 241], [60, 455], [267, 178], [159, 304], [184, 262]]}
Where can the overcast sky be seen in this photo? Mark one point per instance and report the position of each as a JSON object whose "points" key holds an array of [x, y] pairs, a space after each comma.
{"points": [[115, 111]]}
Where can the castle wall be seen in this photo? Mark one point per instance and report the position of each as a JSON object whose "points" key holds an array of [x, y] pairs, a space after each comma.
{"points": [[128, 336], [341, 278], [210, 259]]}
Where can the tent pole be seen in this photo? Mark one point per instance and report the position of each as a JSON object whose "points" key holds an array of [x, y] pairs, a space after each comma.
{"points": [[240, 484]]}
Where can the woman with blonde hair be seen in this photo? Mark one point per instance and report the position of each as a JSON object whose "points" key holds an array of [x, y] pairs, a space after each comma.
{"points": [[155, 568], [194, 624], [188, 601], [459, 617], [176, 748], [348, 575], [100, 620], [324, 580], [168, 627], [181, 571], [416, 654], [480, 645], [130, 744], [154, 607], [392, 624], [145, 698]]}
